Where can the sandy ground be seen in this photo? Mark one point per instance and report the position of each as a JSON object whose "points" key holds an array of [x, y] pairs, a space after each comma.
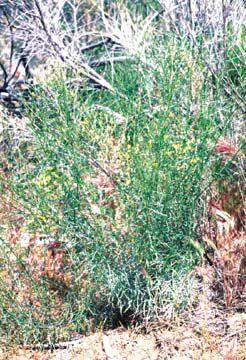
{"points": [[213, 336]]}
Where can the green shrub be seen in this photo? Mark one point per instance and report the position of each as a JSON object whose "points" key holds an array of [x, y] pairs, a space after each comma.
{"points": [[110, 197]]}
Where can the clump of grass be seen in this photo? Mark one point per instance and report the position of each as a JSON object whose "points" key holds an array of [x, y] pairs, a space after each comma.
{"points": [[109, 198]]}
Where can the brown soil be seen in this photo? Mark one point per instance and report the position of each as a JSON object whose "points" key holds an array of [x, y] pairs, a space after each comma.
{"points": [[209, 334]]}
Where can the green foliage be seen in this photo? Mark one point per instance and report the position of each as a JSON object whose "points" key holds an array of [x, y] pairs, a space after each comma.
{"points": [[112, 191], [236, 66]]}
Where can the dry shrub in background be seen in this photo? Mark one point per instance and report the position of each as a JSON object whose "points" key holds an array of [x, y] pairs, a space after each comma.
{"points": [[36, 31]]}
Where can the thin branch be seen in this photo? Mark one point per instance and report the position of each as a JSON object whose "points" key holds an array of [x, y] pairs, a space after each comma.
{"points": [[224, 24], [95, 45], [5, 83], [11, 40], [53, 43], [95, 163], [15, 71]]}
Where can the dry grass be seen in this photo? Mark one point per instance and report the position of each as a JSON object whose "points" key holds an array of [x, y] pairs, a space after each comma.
{"points": [[226, 228]]}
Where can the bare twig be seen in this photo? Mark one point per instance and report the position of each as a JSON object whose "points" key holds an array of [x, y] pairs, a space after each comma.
{"points": [[15, 71], [95, 45], [45, 28], [224, 23], [11, 40], [3, 87]]}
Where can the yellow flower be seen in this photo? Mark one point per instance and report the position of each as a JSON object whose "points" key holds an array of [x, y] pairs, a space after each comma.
{"points": [[42, 217], [49, 168], [171, 115], [188, 147], [167, 153], [137, 148], [128, 182], [181, 167], [195, 160], [56, 184], [47, 179], [127, 156], [177, 147]]}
